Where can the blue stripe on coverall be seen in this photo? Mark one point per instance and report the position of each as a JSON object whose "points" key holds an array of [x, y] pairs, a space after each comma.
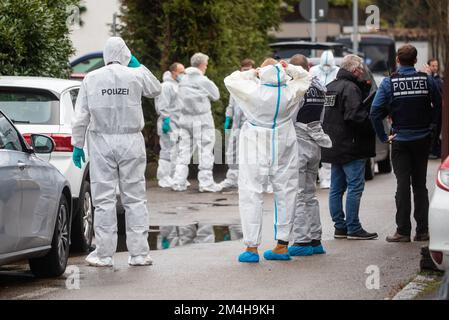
{"points": [[273, 145]]}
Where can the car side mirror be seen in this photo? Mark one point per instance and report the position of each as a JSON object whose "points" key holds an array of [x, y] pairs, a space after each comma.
{"points": [[42, 143]]}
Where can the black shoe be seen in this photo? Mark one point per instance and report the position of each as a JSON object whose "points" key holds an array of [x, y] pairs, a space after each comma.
{"points": [[362, 235], [422, 237], [398, 238], [340, 233]]}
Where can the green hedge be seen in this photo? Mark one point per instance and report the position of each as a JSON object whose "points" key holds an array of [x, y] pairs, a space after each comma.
{"points": [[160, 32], [34, 37]]}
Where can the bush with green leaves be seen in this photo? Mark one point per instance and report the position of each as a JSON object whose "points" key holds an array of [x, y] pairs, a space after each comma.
{"points": [[34, 37], [160, 32]]}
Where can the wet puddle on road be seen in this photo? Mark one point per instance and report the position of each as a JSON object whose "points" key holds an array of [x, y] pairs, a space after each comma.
{"points": [[166, 237], [196, 206]]}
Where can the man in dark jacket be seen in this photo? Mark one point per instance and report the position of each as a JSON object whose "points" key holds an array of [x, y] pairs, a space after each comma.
{"points": [[433, 69], [348, 125], [411, 98]]}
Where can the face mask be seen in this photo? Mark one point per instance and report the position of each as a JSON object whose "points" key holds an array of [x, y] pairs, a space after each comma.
{"points": [[179, 77], [326, 69]]}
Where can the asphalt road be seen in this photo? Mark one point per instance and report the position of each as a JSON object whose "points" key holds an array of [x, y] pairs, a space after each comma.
{"points": [[207, 271]]}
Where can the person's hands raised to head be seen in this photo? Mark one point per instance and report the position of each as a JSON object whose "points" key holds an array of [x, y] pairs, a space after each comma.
{"points": [[284, 64]]}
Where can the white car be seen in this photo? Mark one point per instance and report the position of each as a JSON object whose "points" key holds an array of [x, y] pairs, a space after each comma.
{"points": [[439, 219], [45, 106]]}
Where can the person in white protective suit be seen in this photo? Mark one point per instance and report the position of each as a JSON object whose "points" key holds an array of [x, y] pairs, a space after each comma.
{"points": [[326, 72], [268, 150], [235, 115], [167, 124], [108, 113], [196, 124], [306, 233]]}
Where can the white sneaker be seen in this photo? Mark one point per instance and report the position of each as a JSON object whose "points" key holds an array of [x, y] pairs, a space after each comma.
{"points": [[95, 261], [165, 183], [140, 261], [178, 187], [227, 183], [212, 188]]}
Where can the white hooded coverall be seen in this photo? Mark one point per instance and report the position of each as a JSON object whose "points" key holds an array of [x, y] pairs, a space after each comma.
{"points": [[109, 112], [196, 127], [167, 107], [268, 146], [326, 72], [311, 137], [238, 119]]}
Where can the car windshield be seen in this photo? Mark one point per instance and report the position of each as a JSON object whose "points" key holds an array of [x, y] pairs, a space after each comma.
{"points": [[288, 51], [88, 65], [376, 57], [28, 106]]}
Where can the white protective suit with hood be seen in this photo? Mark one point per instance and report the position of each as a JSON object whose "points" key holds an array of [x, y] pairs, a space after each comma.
{"points": [[311, 138], [109, 112], [326, 72], [196, 129], [268, 147], [167, 107], [238, 119]]}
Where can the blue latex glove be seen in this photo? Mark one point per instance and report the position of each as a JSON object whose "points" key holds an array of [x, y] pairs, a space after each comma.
{"points": [[78, 156], [134, 63], [227, 124], [166, 125]]}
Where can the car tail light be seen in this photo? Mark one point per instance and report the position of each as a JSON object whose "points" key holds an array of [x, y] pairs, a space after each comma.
{"points": [[443, 176], [27, 138], [437, 256], [63, 142]]}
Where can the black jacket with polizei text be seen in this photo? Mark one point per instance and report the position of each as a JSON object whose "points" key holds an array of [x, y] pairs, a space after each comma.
{"points": [[347, 122]]}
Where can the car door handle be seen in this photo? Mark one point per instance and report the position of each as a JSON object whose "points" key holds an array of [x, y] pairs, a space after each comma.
{"points": [[21, 165]]}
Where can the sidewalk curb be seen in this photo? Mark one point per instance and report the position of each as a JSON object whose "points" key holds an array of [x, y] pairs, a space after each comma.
{"points": [[414, 288]]}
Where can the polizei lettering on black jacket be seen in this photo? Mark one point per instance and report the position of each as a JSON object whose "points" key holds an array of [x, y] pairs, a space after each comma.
{"points": [[115, 92]]}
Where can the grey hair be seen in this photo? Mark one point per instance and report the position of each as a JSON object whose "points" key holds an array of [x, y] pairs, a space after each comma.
{"points": [[198, 59], [351, 62]]}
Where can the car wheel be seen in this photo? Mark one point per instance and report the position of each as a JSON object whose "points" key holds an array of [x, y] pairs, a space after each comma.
{"points": [[369, 170], [385, 165], [54, 263], [83, 223]]}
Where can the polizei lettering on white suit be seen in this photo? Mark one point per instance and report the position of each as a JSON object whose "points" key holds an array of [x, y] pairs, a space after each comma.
{"points": [[115, 92], [410, 86]]}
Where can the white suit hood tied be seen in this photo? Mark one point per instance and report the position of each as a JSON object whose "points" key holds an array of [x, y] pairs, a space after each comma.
{"points": [[327, 59], [273, 75], [327, 70], [116, 51]]}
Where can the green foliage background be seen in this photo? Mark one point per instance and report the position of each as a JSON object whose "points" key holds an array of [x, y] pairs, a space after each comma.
{"points": [[34, 37], [160, 32]]}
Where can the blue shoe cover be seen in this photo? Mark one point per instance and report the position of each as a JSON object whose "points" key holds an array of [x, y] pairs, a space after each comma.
{"points": [[270, 255], [297, 251], [318, 250], [249, 257]]}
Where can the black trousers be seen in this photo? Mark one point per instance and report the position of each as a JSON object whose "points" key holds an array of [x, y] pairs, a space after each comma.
{"points": [[410, 167]]}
